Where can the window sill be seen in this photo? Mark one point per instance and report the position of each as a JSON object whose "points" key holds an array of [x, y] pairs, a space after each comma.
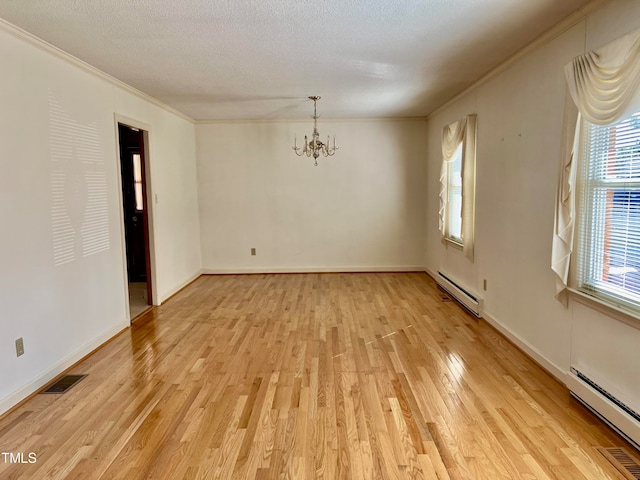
{"points": [[617, 312], [454, 243]]}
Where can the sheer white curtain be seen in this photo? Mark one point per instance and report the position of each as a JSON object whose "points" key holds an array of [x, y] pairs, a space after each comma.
{"points": [[603, 87], [462, 131]]}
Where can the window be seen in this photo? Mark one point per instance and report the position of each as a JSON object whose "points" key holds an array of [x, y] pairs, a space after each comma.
{"points": [[609, 232], [456, 216], [137, 181], [454, 197]]}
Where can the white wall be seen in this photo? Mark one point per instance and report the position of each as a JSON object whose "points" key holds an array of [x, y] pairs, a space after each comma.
{"points": [[174, 191], [362, 209], [519, 124], [62, 281]]}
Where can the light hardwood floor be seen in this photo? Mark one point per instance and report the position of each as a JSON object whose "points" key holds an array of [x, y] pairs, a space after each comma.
{"points": [[309, 376]]}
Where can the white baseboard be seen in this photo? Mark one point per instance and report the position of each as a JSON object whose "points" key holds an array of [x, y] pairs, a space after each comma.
{"points": [[37, 383], [520, 342], [175, 290], [604, 408], [247, 270], [527, 348]]}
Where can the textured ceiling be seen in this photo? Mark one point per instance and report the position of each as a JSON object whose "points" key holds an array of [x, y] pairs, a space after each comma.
{"points": [[232, 59]]}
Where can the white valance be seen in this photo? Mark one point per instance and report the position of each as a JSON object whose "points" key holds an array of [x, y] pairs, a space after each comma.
{"points": [[603, 86], [452, 136], [462, 131], [603, 82]]}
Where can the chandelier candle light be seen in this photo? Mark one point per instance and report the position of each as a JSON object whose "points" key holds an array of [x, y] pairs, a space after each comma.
{"points": [[315, 147]]}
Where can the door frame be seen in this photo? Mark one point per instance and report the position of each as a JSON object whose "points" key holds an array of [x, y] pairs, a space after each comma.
{"points": [[149, 195]]}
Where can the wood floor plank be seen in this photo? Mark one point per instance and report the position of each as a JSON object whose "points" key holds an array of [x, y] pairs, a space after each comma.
{"points": [[309, 376]]}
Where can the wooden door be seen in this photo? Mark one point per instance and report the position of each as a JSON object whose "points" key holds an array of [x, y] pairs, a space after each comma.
{"points": [[134, 202]]}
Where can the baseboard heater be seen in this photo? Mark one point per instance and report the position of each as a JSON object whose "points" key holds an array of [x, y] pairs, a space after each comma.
{"points": [[468, 300], [619, 416]]}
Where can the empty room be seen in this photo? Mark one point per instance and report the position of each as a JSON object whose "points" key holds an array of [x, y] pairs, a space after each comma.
{"points": [[320, 239]]}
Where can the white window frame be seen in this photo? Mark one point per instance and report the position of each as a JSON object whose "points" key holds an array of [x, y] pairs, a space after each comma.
{"points": [[593, 269]]}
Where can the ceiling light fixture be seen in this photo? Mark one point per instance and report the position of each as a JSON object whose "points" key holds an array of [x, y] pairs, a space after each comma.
{"points": [[315, 147]]}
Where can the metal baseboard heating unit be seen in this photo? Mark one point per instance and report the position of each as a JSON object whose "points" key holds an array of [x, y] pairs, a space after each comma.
{"points": [[467, 299], [619, 416]]}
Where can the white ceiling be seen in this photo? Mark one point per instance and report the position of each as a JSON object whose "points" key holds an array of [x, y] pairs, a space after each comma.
{"points": [[231, 59]]}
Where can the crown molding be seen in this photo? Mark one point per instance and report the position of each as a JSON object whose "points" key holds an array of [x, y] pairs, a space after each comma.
{"points": [[67, 57], [554, 32], [561, 27], [302, 120]]}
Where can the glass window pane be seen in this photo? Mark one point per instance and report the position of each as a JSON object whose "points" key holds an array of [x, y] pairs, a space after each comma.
{"points": [[454, 194], [137, 181], [137, 168], [609, 238]]}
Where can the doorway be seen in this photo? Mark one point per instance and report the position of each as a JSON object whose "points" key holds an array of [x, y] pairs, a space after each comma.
{"points": [[136, 218]]}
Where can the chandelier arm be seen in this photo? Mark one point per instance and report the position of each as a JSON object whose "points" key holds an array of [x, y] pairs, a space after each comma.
{"points": [[295, 146]]}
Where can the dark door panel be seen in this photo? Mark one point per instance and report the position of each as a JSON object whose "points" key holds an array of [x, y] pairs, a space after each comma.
{"points": [[133, 195]]}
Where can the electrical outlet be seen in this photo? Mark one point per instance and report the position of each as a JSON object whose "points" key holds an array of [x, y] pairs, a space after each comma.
{"points": [[484, 285], [253, 251], [19, 347]]}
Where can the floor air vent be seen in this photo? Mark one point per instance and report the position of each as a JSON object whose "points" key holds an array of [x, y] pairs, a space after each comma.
{"points": [[627, 465], [64, 384]]}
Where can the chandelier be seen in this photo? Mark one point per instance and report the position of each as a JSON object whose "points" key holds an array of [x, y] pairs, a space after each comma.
{"points": [[315, 147]]}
